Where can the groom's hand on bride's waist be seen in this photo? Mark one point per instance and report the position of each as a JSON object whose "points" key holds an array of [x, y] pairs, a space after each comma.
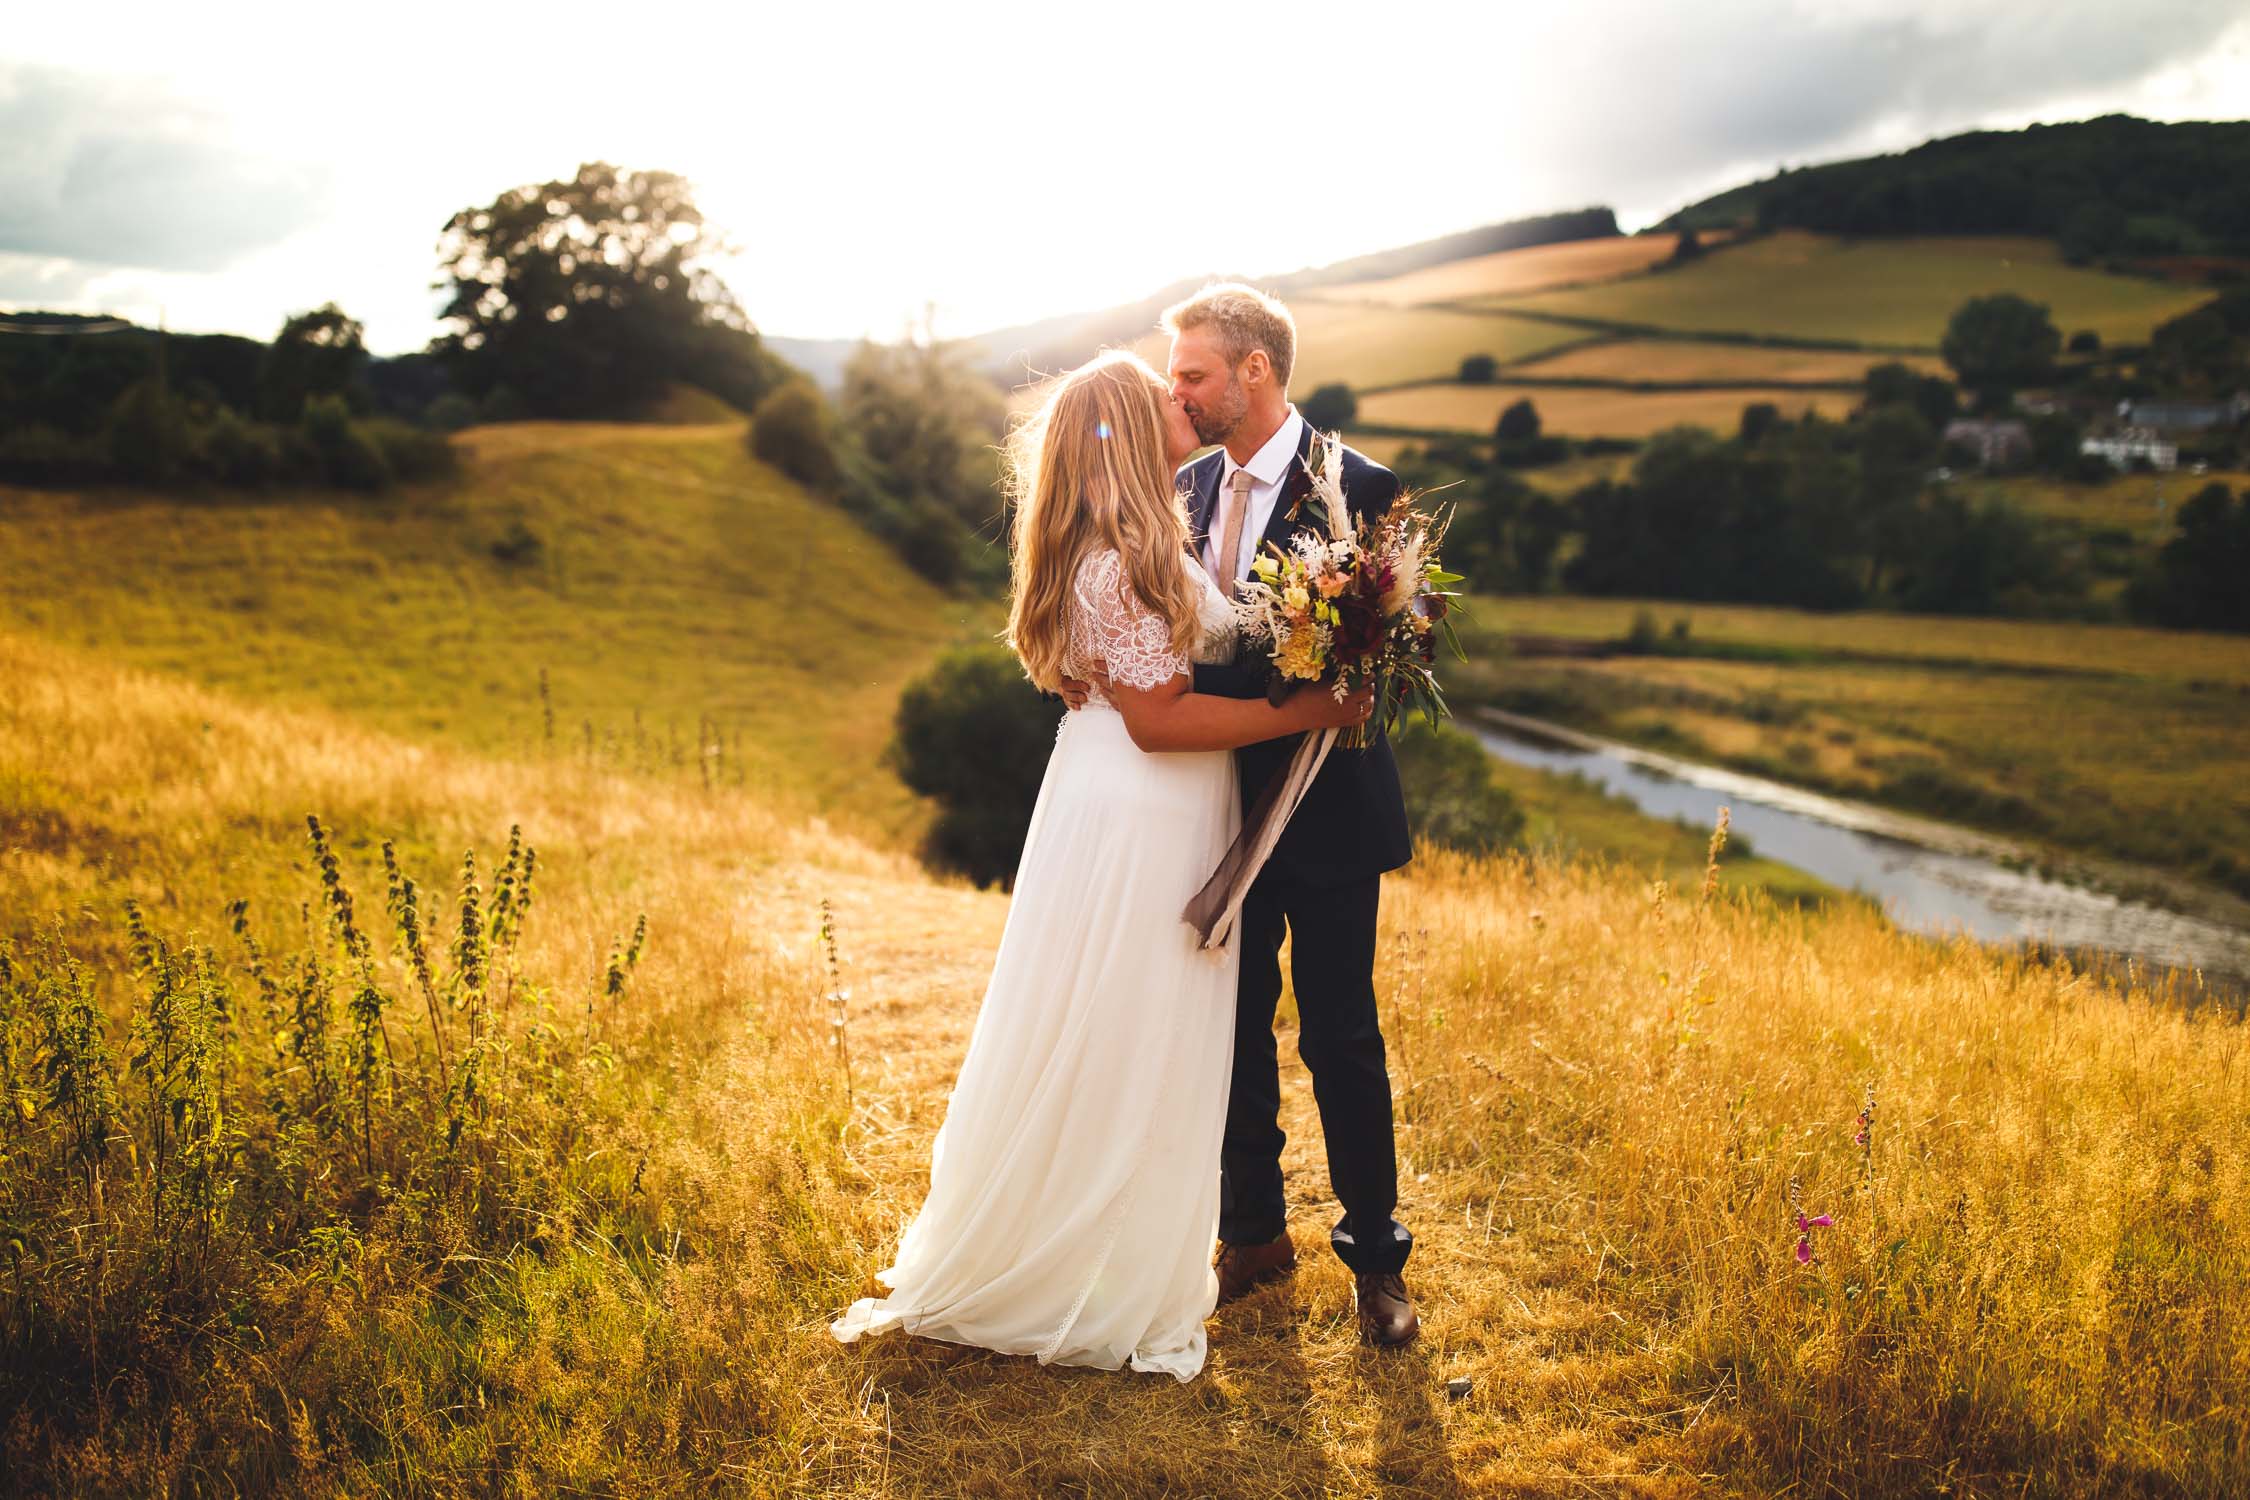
{"points": [[1074, 692]]}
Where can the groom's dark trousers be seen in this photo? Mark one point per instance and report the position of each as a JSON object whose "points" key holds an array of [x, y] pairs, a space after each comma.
{"points": [[1321, 888]]}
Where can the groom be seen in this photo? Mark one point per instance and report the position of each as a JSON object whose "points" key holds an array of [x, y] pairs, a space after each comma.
{"points": [[1232, 349]]}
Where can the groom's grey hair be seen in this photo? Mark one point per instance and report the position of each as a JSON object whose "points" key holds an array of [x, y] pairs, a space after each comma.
{"points": [[1244, 319]]}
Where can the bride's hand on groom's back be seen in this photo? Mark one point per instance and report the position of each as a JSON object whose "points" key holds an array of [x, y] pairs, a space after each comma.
{"points": [[1073, 691]]}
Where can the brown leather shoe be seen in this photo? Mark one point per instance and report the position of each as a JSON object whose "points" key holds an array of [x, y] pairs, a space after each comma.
{"points": [[1242, 1267], [1386, 1313]]}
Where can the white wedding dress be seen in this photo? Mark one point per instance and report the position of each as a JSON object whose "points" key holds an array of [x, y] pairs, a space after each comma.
{"points": [[1074, 1186]]}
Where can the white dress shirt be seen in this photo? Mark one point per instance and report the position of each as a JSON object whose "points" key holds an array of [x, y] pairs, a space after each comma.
{"points": [[1268, 467]]}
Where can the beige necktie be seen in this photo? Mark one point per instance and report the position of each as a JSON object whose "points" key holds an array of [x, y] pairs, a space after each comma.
{"points": [[1230, 531]]}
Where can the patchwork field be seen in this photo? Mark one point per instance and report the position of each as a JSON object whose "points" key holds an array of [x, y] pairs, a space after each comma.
{"points": [[1536, 268], [1890, 291], [1685, 360], [2141, 505], [1366, 345], [1587, 411]]}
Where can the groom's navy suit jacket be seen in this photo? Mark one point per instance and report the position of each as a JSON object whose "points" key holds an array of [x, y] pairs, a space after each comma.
{"points": [[1352, 824]]}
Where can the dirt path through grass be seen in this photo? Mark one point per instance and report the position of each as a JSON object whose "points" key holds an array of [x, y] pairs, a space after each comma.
{"points": [[1290, 1403]]}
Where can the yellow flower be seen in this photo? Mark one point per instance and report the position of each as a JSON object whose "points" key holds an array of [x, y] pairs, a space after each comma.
{"points": [[1295, 599]]}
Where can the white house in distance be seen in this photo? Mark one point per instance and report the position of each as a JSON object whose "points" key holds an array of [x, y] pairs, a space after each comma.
{"points": [[1997, 443], [2185, 416], [2121, 448]]}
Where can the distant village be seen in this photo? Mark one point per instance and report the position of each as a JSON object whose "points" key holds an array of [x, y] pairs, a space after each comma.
{"points": [[2130, 435]]}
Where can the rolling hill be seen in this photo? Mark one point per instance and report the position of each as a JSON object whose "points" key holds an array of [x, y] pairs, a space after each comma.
{"points": [[1615, 1100], [666, 587]]}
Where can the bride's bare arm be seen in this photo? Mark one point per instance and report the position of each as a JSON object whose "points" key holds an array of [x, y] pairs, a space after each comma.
{"points": [[1172, 716]]}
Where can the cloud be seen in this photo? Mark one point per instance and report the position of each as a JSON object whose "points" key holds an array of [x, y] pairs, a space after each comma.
{"points": [[1697, 95], [117, 172]]}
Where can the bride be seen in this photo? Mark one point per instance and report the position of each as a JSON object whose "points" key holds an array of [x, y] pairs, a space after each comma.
{"points": [[1074, 1186]]}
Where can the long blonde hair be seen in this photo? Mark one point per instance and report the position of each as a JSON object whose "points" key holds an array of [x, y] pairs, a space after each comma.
{"points": [[1087, 470]]}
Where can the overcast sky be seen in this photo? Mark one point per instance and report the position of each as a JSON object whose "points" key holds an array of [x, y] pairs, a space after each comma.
{"points": [[233, 163]]}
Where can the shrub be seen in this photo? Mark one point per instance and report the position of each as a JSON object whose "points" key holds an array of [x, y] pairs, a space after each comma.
{"points": [[146, 435], [790, 430], [236, 452], [974, 734], [932, 545], [1758, 419], [518, 545], [451, 412], [350, 458], [1330, 407], [37, 453], [1519, 423], [1451, 798], [411, 453], [1478, 369], [502, 404]]}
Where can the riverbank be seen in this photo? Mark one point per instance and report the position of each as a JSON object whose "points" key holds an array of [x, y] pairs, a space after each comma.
{"points": [[2110, 755], [1929, 877]]}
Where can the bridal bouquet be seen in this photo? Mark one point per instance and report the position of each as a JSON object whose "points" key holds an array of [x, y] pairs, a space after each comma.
{"points": [[1352, 605]]}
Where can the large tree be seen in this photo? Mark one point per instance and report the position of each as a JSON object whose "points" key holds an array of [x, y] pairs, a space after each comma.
{"points": [[319, 353], [585, 296], [2001, 343]]}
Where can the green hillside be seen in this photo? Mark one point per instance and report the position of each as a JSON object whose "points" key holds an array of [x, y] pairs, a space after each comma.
{"points": [[2112, 186], [1888, 292], [658, 576]]}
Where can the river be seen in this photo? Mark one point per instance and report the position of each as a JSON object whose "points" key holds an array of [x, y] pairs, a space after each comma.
{"points": [[1930, 877]]}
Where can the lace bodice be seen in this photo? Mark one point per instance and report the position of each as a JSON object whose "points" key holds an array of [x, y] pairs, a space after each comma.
{"points": [[1108, 623]]}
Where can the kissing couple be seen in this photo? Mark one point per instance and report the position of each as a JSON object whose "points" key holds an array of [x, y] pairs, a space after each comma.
{"points": [[1116, 1061]]}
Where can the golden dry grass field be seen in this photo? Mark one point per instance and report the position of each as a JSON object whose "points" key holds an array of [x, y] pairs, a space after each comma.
{"points": [[670, 579], [1887, 291], [1609, 1099], [1685, 360], [1587, 411], [1614, 1098], [1535, 268], [1364, 345]]}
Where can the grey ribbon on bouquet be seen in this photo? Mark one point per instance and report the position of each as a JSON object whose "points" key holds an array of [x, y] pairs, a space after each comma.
{"points": [[1216, 908]]}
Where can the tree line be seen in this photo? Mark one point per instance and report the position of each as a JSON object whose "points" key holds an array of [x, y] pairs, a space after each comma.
{"points": [[2106, 189], [581, 298]]}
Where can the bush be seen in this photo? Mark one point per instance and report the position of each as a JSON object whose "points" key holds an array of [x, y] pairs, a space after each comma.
{"points": [[451, 412], [411, 453], [973, 734], [1478, 369], [235, 452], [1519, 423], [147, 435], [517, 546], [790, 430], [2195, 580], [1532, 453], [2085, 341], [931, 544], [36, 453], [502, 404], [350, 458], [1330, 407], [1451, 798]]}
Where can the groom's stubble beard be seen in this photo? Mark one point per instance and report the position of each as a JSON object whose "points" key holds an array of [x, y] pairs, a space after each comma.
{"points": [[1216, 424]]}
